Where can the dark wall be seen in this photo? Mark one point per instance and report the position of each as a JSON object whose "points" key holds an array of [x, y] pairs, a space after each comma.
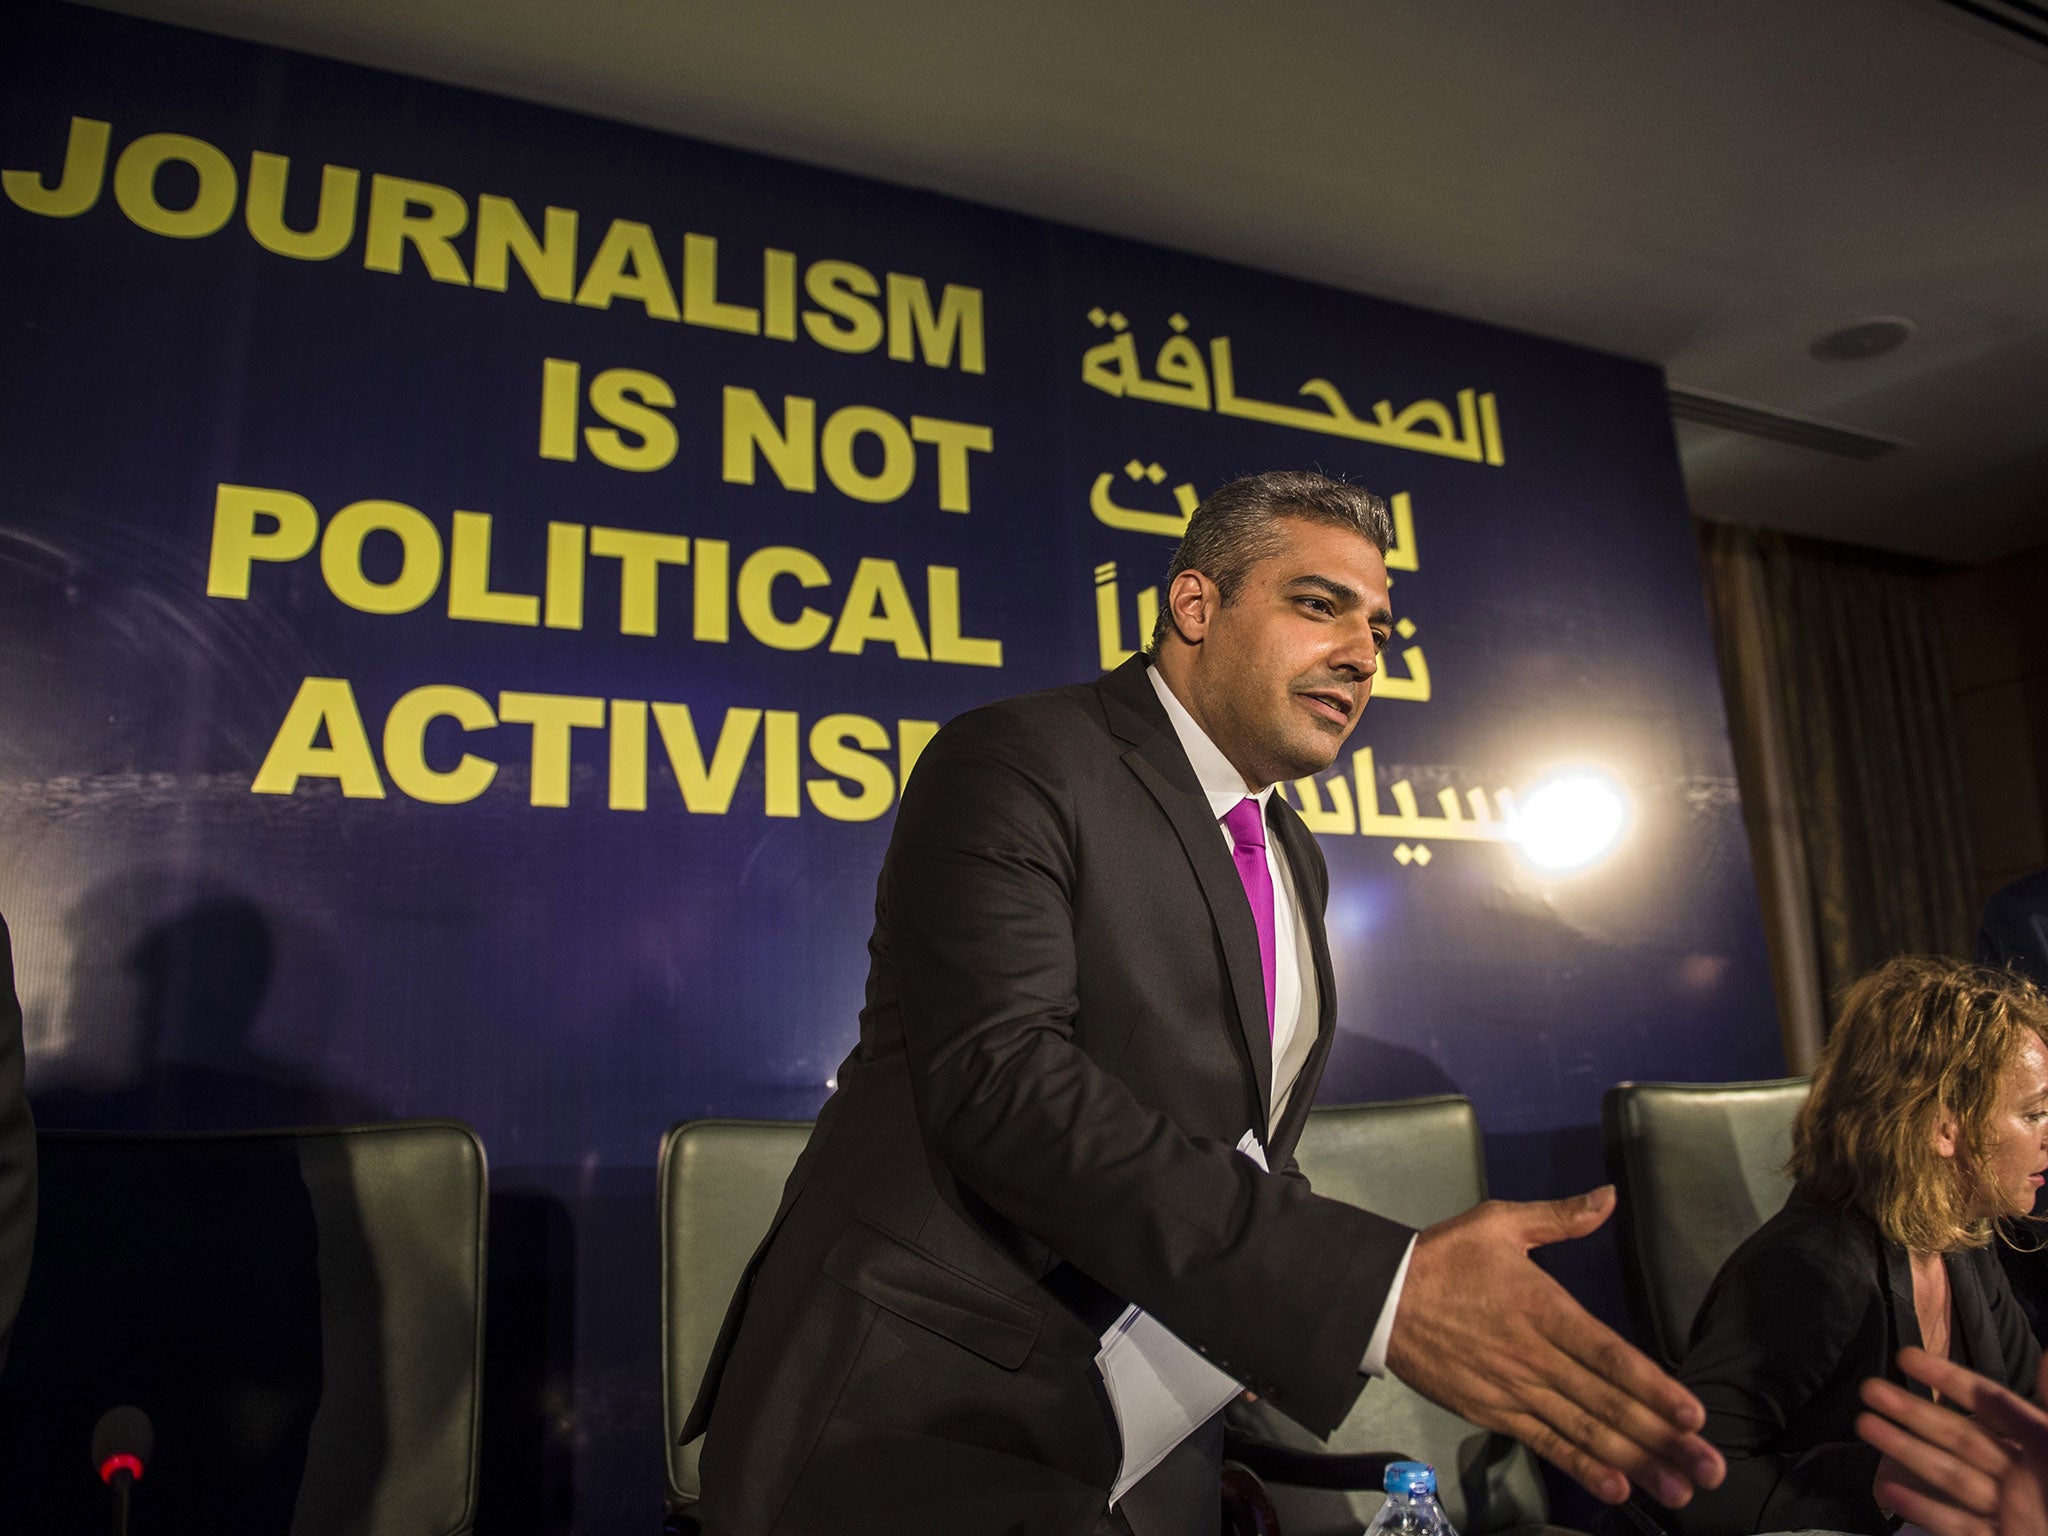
{"points": [[1994, 623]]}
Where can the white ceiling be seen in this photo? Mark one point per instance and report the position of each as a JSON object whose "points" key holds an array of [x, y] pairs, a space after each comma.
{"points": [[1704, 184]]}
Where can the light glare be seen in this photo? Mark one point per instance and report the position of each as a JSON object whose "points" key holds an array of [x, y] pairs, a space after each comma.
{"points": [[1572, 821]]}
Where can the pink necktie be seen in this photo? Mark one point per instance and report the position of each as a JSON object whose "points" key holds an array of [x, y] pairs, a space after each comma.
{"points": [[1246, 825]]}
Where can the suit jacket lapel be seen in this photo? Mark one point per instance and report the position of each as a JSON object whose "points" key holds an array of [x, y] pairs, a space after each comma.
{"points": [[1155, 756], [1971, 1310], [1969, 1315], [1305, 862], [1898, 1270]]}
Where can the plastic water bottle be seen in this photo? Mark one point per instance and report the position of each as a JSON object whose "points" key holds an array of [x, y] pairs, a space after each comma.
{"points": [[1411, 1508]]}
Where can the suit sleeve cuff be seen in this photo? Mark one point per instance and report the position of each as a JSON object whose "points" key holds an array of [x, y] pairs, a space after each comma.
{"points": [[1375, 1361]]}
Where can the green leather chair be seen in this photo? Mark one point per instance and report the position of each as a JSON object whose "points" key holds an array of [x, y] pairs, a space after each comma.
{"points": [[1699, 1166], [1419, 1161], [718, 1186], [299, 1312]]}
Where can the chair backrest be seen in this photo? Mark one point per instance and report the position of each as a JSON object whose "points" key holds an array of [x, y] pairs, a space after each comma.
{"points": [[720, 1182], [1419, 1161], [299, 1312], [1699, 1166]]}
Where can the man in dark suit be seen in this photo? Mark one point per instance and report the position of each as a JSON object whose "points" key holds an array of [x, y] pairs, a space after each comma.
{"points": [[1098, 961], [17, 1154]]}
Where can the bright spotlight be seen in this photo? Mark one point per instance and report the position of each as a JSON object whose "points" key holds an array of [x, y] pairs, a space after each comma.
{"points": [[1572, 820]]}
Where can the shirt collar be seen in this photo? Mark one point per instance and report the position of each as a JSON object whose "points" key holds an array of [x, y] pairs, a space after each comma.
{"points": [[1220, 781]]}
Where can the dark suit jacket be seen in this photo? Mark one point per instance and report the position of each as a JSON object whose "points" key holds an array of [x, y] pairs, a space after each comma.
{"points": [[17, 1154], [1815, 1301], [1064, 1040]]}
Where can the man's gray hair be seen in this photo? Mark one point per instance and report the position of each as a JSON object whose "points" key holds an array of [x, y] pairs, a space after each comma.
{"points": [[1235, 528]]}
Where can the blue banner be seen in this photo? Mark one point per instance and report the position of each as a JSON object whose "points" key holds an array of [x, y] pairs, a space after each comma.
{"points": [[474, 579]]}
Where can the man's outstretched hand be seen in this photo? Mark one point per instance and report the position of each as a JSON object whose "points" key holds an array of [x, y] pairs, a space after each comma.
{"points": [[1487, 1334]]}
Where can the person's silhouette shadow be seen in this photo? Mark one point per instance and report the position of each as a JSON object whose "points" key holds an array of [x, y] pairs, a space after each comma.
{"points": [[183, 1056]]}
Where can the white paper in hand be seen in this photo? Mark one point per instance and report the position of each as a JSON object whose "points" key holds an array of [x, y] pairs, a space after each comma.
{"points": [[1160, 1390]]}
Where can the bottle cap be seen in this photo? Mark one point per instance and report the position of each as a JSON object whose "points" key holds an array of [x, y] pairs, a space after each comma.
{"points": [[1410, 1477]]}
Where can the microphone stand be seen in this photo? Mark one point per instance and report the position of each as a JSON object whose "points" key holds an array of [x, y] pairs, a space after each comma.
{"points": [[121, 1446]]}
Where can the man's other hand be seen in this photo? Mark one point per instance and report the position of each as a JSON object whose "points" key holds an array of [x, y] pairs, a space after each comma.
{"points": [[1486, 1333]]}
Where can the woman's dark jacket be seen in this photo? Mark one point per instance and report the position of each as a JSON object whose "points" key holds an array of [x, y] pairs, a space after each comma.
{"points": [[1815, 1301]]}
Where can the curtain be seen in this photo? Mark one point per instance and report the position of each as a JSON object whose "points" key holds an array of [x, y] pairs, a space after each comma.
{"points": [[1852, 788]]}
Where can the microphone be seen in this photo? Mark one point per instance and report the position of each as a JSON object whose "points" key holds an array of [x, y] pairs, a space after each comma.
{"points": [[121, 1443]]}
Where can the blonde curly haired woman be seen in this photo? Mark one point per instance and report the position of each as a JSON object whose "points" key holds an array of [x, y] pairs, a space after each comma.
{"points": [[1926, 1129]]}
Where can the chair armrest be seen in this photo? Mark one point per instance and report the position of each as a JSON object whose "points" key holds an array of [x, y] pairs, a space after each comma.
{"points": [[1343, 1471]]}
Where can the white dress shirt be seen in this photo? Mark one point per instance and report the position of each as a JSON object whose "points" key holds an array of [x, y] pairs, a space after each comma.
{"points": [[1297, 1004]]}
